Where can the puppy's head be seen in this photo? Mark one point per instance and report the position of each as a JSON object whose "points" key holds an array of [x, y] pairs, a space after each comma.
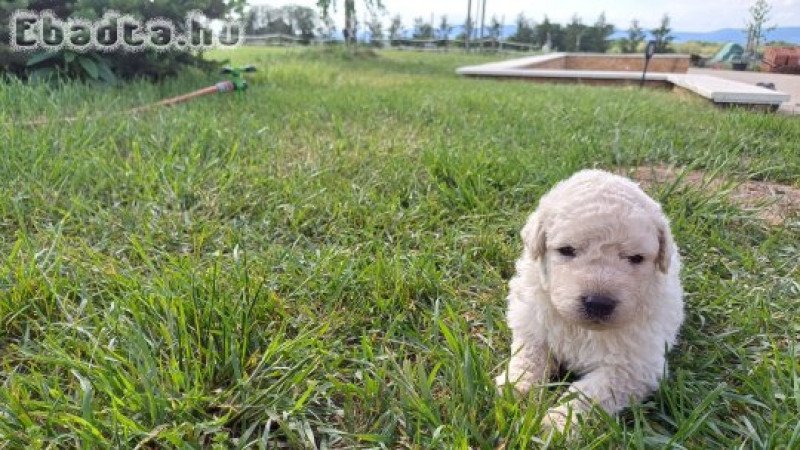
{"points": [[601, 247]]}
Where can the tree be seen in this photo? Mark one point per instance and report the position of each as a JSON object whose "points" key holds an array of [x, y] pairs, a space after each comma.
{"points": [[662, 36], [444, 29], [349, 29], [630, 44], [466, 31], [293, 20], [495, 30], [548, 33], [263, 19], [757, 28], [422, 29], [597, 35], [375, 27], [395, 29], [525, 31], [304, 21], [327, 29], [573, 34]]}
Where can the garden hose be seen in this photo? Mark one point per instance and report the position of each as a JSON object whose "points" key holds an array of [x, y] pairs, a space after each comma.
{"points": [[236, 82]]}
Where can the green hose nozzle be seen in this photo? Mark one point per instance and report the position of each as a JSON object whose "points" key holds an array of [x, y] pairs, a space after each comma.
{"points": [[237, 77]]}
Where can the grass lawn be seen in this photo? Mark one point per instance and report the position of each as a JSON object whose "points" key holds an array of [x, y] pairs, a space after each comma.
{"points": [[323, 261]]}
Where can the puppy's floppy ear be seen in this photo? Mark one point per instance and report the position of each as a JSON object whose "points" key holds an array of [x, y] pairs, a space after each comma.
{"points": [[535, 240], [533, 235], [666, 246]]}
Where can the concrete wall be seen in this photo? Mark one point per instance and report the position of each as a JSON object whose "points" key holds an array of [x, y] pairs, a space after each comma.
{"points": [[622, 63], [593, 81], [628, 64], [553, 64]]}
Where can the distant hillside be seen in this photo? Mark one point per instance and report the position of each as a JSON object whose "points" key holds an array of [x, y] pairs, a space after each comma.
{"points": [[788, 34]]}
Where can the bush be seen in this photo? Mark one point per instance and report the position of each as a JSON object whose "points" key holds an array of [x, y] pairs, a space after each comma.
{"points": [[108, 66]]}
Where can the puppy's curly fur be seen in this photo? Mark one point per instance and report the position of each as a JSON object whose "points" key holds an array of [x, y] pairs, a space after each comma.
{"points": [[597, 291]]}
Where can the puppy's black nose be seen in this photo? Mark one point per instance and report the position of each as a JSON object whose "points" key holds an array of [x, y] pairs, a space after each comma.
{"points": [[598, 306]]}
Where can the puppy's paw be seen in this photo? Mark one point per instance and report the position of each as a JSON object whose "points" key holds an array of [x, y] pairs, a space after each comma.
{"points": [[560, 420], [521, 381]]}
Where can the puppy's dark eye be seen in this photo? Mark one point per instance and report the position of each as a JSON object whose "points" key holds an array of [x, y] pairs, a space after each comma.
{"points": [[636, 259], [567, 251]]}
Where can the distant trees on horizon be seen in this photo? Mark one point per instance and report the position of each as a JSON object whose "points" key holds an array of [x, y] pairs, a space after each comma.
{"points": [[574, 36], [579, 37]]}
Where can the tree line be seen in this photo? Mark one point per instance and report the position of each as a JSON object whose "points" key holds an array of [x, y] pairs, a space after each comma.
{"points": [[575, 36], [572, 37]]}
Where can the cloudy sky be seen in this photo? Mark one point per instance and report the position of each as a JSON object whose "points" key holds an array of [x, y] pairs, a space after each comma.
{"points": [[687, 15]]}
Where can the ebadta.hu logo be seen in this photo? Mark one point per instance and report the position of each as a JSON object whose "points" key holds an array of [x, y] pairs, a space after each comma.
{"points": [[30, 31]]}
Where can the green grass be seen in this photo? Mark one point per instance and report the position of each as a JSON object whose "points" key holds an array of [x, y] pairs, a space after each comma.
{"points": [[323, 261]]}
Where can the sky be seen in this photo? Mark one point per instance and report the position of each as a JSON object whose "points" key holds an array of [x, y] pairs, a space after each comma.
{"points": [[686, 15]]}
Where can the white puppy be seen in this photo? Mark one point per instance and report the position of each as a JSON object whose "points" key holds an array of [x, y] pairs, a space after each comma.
{"points": [[597, 291]]}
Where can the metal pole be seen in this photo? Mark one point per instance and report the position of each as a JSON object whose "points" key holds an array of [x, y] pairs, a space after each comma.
{"points": [[483, 17], [648, 53], [477, 29], [502, 27], [468, 29]]}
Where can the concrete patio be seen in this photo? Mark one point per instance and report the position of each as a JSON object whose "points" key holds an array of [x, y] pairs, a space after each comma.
{"points": [[720, 87], [788, 84]]}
